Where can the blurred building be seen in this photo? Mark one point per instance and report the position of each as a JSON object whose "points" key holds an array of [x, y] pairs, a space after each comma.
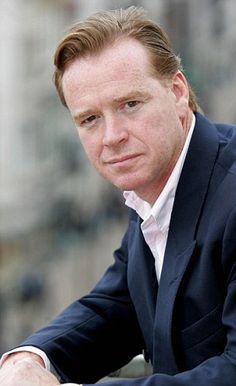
{"points": [[54, 244]]}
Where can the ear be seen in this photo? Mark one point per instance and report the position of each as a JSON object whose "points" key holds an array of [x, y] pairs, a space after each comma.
{"points": [[181, 92]]}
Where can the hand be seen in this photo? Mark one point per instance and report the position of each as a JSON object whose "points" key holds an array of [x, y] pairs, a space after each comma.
{"points": [[26, 369]]}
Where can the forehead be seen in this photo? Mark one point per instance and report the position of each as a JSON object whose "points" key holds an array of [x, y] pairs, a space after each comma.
{"points": [[124, 63]]}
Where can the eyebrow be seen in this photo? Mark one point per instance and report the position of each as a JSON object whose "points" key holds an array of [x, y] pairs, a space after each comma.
{"points": [[132, 96]]}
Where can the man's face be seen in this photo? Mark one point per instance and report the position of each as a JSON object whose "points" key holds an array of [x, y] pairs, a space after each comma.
{"points": [[131, 125]]}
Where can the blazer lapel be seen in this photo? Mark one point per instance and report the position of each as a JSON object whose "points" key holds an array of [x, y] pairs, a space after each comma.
{"points": [[189, 200], [142, 281]]}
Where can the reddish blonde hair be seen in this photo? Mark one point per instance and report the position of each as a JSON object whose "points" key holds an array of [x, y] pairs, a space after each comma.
{"points": [[104, 28]]}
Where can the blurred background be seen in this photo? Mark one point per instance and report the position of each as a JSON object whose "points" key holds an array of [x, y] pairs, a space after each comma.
{"points": [[59, 221]]}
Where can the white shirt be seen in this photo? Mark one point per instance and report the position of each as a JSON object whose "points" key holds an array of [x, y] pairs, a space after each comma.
{"points": [[156, 219], [155, 226]]}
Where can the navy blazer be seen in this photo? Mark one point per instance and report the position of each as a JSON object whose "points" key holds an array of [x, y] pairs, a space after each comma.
{"points": [[187, 324]]}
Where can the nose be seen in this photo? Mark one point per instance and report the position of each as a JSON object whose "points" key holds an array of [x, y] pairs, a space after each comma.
{"points": [[115, 131]]}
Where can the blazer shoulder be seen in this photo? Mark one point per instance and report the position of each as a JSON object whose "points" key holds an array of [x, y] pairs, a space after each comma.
{"points": [[222, 134], [227, 147], [225, 131]]}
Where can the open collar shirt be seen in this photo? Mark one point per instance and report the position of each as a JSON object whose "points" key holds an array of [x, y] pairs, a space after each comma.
{"points": [[156, 218]]}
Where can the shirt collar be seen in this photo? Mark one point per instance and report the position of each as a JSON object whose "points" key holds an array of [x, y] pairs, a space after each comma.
{"points": [[162, 208]]}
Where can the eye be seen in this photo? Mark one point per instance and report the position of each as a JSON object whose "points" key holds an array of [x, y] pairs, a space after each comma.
{"points": [[131, 104], [89, 121]]}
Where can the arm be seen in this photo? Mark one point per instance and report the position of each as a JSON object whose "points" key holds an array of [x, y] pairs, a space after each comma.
{"points": [[96, 334]]}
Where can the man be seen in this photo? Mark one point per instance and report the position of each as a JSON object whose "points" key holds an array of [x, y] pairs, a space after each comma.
{"points": [[171, 291]]}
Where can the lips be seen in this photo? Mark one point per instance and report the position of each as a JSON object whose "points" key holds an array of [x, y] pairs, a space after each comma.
{"points": [[122, 159]]}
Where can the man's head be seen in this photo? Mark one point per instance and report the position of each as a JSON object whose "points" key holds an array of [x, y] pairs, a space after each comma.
{"points": [[106, 27], [130, 108]]}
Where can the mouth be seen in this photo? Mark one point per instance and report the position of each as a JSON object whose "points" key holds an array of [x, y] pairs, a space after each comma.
{"points": [[122, 160]]}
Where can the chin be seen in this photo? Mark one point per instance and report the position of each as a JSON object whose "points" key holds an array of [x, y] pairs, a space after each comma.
{"points": [[129, 181], [127, 185]]}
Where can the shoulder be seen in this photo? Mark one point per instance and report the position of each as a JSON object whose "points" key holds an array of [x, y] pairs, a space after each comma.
{"points": [[225, 131], [223, 134]]}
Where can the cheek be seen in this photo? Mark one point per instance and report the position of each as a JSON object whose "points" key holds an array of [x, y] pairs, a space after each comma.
{"points": [[163, 134], [91, 148], [154, 130]]}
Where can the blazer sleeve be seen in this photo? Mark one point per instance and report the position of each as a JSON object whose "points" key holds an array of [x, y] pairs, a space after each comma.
{"points": [[96, 334]]}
